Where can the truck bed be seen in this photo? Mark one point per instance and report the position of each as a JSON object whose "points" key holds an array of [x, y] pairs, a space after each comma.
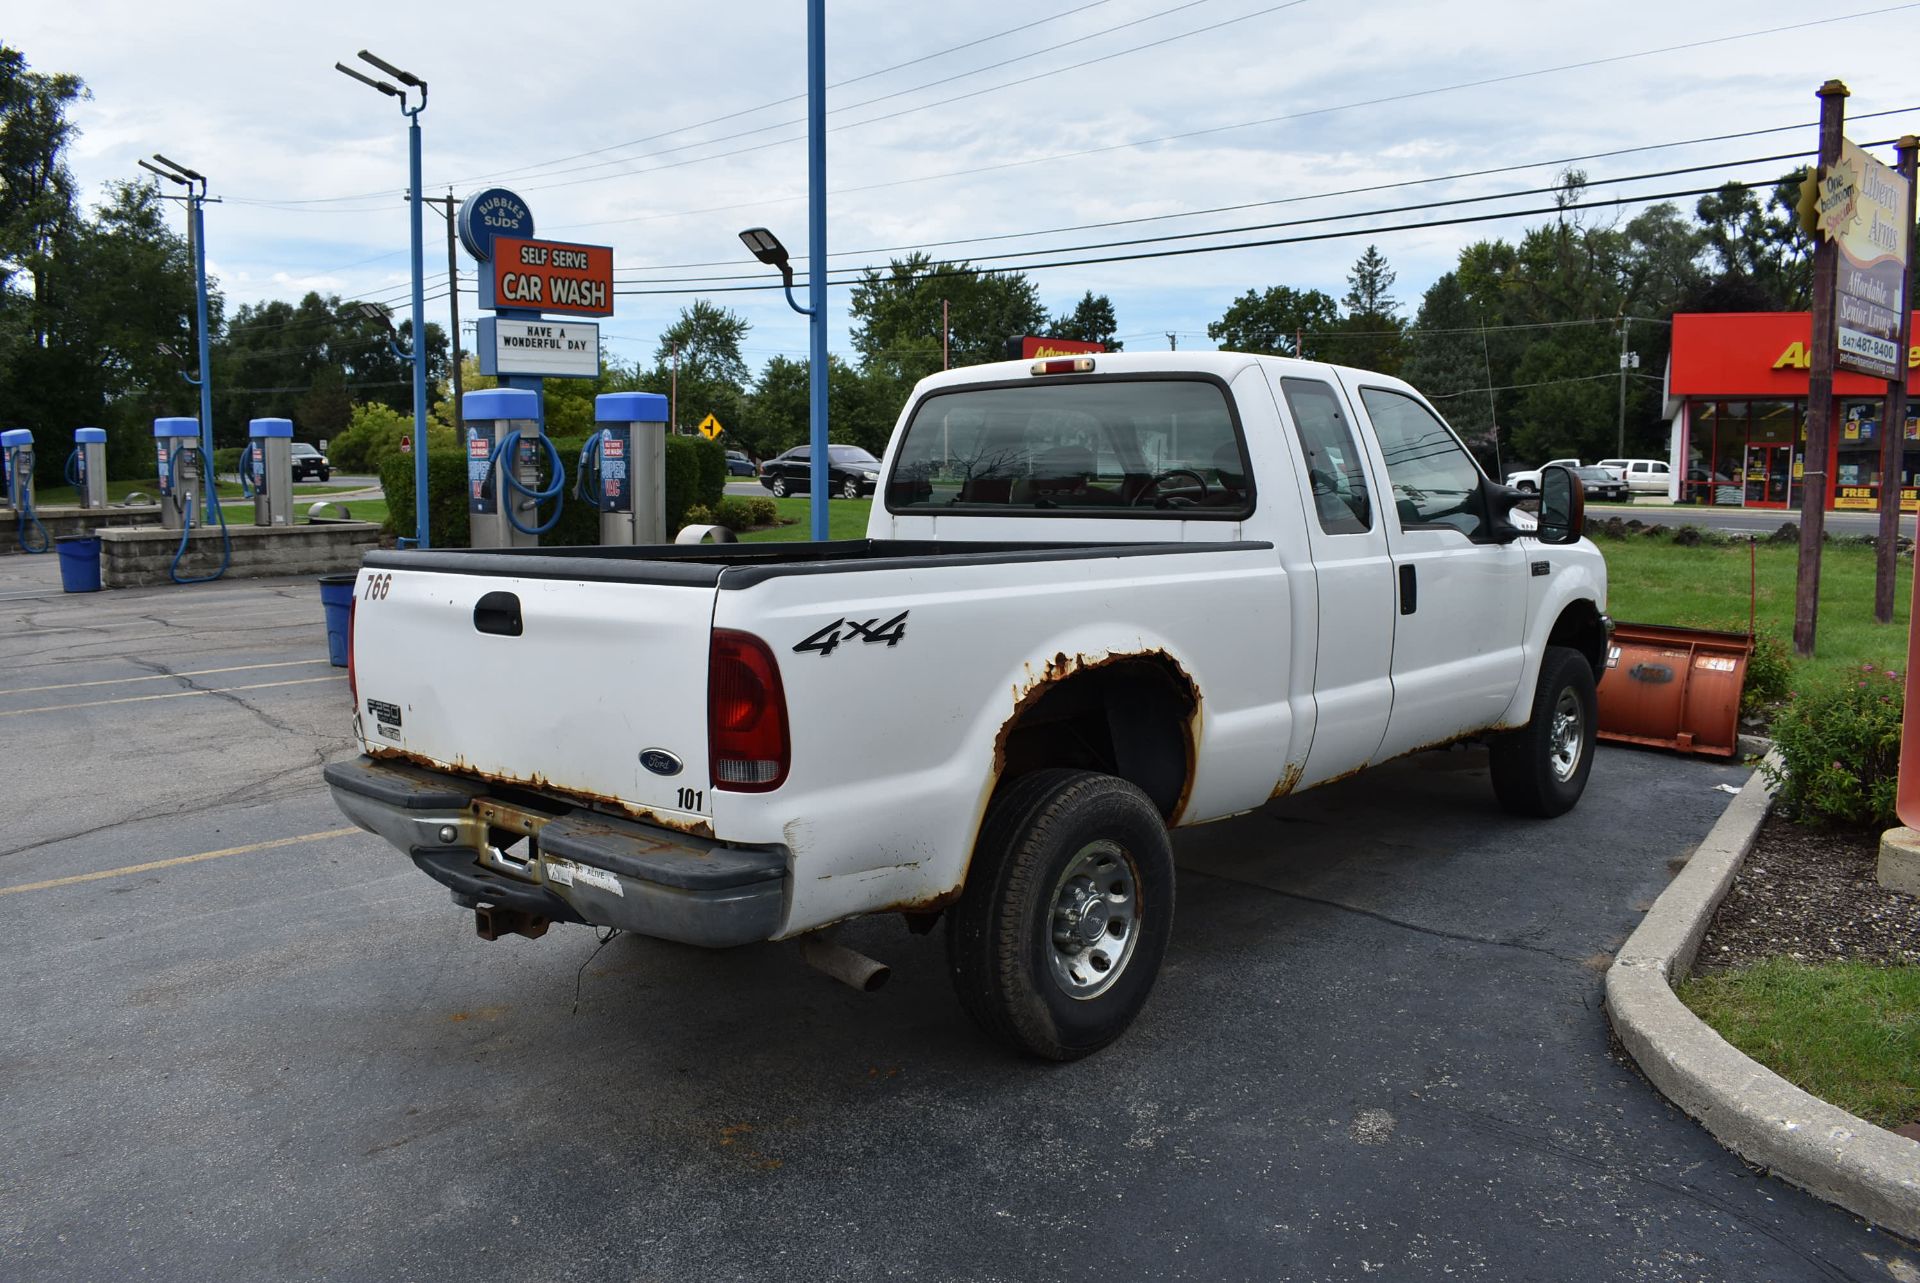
{"points": [[743, 565]]}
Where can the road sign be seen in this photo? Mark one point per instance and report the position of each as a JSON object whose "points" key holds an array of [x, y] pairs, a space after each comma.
{"points": [[548, 276], [542, 349], [406, 445], [710, 427]]}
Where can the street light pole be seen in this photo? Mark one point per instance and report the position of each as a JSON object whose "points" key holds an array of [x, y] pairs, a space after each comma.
{"points": [[817, 260], [196, 185], [415, 202]]}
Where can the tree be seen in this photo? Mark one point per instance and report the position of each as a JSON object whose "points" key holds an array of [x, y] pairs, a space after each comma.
{"points": [[896, 318], [1446, 360], [1091, 321], [859, 409], [1268, 323], [708, 339], [1368, 283]]}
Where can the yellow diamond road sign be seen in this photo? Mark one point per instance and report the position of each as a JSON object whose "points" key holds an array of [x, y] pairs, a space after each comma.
{"points": [[710, 427]]}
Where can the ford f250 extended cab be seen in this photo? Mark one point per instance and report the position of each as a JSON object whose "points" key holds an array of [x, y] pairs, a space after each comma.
{"points": [[1100, 598]]}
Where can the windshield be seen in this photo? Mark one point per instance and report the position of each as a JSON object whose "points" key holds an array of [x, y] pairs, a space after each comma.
{"points": [[1091, 447], [301, 447], [1594, 474], [851, 454]]}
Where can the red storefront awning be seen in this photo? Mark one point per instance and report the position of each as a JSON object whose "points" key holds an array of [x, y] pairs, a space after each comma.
{"points": [[1759, 355]]}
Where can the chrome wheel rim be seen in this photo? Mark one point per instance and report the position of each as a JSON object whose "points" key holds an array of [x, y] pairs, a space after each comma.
{"points": [[1566, 736], [1094, 920]]}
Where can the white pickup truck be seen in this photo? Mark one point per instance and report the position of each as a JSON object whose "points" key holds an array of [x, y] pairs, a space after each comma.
{"points": [[1100, 598]]}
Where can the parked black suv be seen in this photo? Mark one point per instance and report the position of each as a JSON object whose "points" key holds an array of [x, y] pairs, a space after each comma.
{"points": [[851, 472], [309, 463]]}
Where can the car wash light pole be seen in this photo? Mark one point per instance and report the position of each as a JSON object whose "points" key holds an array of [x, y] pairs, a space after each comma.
{"points": [[197, 237], [418, 356], [767, 248]]}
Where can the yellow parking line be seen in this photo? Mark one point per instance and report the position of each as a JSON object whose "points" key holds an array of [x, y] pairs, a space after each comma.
{"points": [[248, 849], [141, 699], [154, 677]]}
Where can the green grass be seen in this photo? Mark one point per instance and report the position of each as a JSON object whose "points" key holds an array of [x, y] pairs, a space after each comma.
{"points": [[1847, 1032], [846, 519], [1653, 582], [67, 496]]}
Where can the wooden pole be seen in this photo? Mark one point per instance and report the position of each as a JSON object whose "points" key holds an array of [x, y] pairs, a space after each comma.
{"points": [[1893, 422], [1813, 480]]}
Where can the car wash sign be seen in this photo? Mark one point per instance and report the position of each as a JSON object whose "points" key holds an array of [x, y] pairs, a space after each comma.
{"points": [[548, 349], [548, 276]]}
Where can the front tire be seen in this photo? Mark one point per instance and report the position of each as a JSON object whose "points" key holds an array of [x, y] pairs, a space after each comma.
{"points": [[1057, 939], [849, 489], [1541, 769], [779, 487]]}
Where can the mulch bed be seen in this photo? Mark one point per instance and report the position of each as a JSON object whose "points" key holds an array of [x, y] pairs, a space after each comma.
{"points": [[1809, 894]]}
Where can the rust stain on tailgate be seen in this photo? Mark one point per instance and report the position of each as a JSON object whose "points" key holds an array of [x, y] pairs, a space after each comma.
{"points": [[540, 784]]}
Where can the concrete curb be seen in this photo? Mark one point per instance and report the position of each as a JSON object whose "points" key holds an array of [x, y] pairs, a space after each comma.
{"points": [[1749, 1109]]}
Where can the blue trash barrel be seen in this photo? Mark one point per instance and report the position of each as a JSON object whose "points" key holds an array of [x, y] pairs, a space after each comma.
{"points": [[79, 562], [336, 597]]}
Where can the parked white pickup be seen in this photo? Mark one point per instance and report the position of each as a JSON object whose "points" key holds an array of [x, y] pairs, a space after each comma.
{"points": [[1100, 597]]}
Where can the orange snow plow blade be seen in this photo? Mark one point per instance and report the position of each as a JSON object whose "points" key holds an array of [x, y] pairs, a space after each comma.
{"points": [[1676, 688]]}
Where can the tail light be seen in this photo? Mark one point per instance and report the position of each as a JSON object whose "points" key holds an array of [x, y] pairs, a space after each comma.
{"points": [[747, 744], [1064, 365], [353, 686]]}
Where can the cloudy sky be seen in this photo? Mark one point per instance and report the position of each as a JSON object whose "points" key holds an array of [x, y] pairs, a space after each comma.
{"points": [[662, 129]]}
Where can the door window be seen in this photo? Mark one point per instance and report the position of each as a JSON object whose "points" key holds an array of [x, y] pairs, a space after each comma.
{"points": [[1333, 457], [1435, 481]]}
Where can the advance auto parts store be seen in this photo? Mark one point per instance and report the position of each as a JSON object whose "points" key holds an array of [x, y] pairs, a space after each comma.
{"points": [[1737, 395]]}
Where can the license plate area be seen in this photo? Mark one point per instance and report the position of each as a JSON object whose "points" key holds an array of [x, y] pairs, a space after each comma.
{"points": [[507, 837]]}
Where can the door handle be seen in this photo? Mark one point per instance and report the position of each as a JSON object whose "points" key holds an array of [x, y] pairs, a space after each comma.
{"points": [[498, 613], [1409, 590]]}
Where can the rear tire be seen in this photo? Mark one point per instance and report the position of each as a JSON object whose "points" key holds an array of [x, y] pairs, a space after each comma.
{"points": [[779, 487], [849, 489], [1541, 769], [1060, 932]]}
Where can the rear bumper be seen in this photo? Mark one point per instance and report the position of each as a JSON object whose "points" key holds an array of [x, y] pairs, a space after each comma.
{"points": [[580, 866]]}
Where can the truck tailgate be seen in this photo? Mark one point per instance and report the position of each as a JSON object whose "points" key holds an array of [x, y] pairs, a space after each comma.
{"points": [[557, 683]]}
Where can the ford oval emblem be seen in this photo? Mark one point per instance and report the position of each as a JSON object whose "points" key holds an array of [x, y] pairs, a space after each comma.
{"points": [[660, 762]]}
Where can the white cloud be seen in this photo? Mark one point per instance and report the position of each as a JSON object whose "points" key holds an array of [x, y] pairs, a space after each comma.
{"points": [[247, 94]]}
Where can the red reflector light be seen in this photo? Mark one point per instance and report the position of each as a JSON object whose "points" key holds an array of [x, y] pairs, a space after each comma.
{"points": [[747, 745], [353, 686], [1064, 365]]}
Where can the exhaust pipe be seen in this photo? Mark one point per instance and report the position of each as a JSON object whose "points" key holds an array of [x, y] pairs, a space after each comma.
{"points": [[855, 970]]}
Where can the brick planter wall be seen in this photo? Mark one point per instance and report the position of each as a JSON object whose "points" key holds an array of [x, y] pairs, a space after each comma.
{"points": [[135, 557]]}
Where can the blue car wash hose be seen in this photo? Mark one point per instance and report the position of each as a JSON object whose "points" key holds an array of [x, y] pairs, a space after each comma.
{"points": [[31, 535], [186, 527], [589, 463], [506, 448]]}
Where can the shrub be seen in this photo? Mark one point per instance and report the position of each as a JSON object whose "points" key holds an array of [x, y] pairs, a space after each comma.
{"points": [[226, 463], [446, 482], [743, 514], [1769, 672], [1840, 748], [373, 436], [698, 515]]}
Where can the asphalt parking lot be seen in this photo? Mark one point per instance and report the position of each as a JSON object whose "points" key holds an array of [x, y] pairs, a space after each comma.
{"points": [[245, 1041]]}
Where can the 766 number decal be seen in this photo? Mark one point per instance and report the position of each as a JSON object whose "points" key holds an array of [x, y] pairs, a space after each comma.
{"points": [[828, 639]]}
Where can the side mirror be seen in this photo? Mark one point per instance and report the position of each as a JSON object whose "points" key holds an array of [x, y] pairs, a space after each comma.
{"points": [[1500, 501], [1563, 506]]}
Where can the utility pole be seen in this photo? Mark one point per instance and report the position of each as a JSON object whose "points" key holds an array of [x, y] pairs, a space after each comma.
{"points": [[673, 393], [450, 210], [1620, 443], [1813, 480], [945, 331], [1173, 341], [1893, 423]]}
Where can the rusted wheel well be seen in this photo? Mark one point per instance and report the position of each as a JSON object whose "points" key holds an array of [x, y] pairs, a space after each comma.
{"points": [[1579, 626], [1132, 716]]}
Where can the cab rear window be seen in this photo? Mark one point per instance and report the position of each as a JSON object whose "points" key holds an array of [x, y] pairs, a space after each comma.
{"points": [[1081, 446]]}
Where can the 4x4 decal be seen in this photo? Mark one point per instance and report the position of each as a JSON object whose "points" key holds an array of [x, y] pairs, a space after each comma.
{"points": [[827, 639]]}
